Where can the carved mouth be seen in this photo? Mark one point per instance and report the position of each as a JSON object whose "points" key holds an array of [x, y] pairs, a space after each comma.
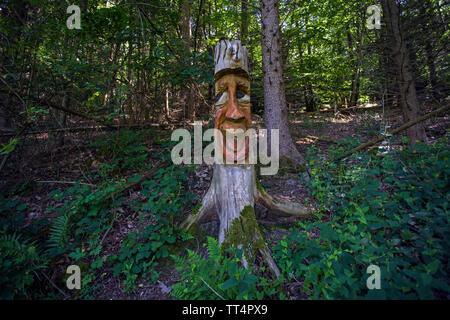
{"points": [[235, 146]]}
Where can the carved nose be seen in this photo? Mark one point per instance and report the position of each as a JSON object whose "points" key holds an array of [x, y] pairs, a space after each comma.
{"points": [[233, 111]]}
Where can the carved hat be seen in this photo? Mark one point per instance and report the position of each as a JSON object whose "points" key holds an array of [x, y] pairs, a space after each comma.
{"points": [[230, 57]]}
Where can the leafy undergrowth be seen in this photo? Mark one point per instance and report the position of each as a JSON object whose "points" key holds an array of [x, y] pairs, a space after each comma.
{"points": [[389, 210], [78, 222], [220, 276]]}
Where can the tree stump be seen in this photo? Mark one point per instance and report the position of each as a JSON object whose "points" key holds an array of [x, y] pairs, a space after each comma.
{"points": [[234, 188]]}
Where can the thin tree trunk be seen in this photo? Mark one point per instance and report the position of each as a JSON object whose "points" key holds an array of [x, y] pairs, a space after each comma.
{"points": [[275, 107], [429, 48], [197, 22], [354, 95], [244, 22], [61, 120], [166, 104], [310, 101], [400, 54], [186, 35]]}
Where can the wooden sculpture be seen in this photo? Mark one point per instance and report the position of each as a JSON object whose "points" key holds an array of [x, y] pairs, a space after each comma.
{"points": [[234, 188]]}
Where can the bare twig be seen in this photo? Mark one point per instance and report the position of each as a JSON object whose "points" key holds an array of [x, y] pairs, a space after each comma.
{"points": [[76, 113], [212, 289], [132, 126], [54, 285]]}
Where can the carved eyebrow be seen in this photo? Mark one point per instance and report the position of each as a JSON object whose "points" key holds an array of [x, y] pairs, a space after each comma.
{"points": [[221, 87], [243, 88], [243, 85]]}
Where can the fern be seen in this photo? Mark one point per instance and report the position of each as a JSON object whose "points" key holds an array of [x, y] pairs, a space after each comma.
{"points": [[214, 250], [178, 292], [19, 262], [11, 242], [59, 231], [180, 262]]}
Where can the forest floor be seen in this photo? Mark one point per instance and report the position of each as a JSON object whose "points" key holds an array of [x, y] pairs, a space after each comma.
{"points": [[57, 167]]}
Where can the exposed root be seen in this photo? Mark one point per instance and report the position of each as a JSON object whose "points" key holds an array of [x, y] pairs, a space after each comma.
{"points": [[281, 207], [265, 252], [202, 211], [244, 233]]}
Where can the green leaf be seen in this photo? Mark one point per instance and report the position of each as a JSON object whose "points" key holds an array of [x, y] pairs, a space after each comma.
{"points": [[230, 283]]}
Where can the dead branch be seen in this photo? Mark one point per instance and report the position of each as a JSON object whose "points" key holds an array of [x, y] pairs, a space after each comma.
{"points": [[129, 126], [145, 176], [68, 182], [76, 113], [395, 131]]}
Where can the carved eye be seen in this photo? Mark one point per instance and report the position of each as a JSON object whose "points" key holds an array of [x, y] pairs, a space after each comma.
{"points": [[242, 97], [221, 98]]}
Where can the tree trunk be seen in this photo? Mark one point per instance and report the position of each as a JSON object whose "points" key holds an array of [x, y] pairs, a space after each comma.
{"points": [[197, 22], [400, 55], [60, 117], [354, 95], [244, 22], [275, 107], [166, 102], [429, 52], [307, 90], [186, 35]]}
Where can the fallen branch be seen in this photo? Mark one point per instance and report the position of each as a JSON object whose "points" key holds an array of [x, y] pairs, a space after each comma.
{"points": [[145, 176], [395, 131], [70, 111], [331, 110], [116, 127], [54, 285], [76, 113], [68, 182]]}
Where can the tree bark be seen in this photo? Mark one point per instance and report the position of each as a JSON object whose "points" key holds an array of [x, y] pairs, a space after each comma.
{"points": [[275, 107], [400, 55]]}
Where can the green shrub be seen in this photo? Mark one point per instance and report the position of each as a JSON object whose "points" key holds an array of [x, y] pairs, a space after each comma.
{"points": [[142, 248], [390, 211], [123, 150]]}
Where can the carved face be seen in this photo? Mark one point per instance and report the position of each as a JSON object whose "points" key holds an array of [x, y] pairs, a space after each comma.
{"points": [[232, 113]]}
